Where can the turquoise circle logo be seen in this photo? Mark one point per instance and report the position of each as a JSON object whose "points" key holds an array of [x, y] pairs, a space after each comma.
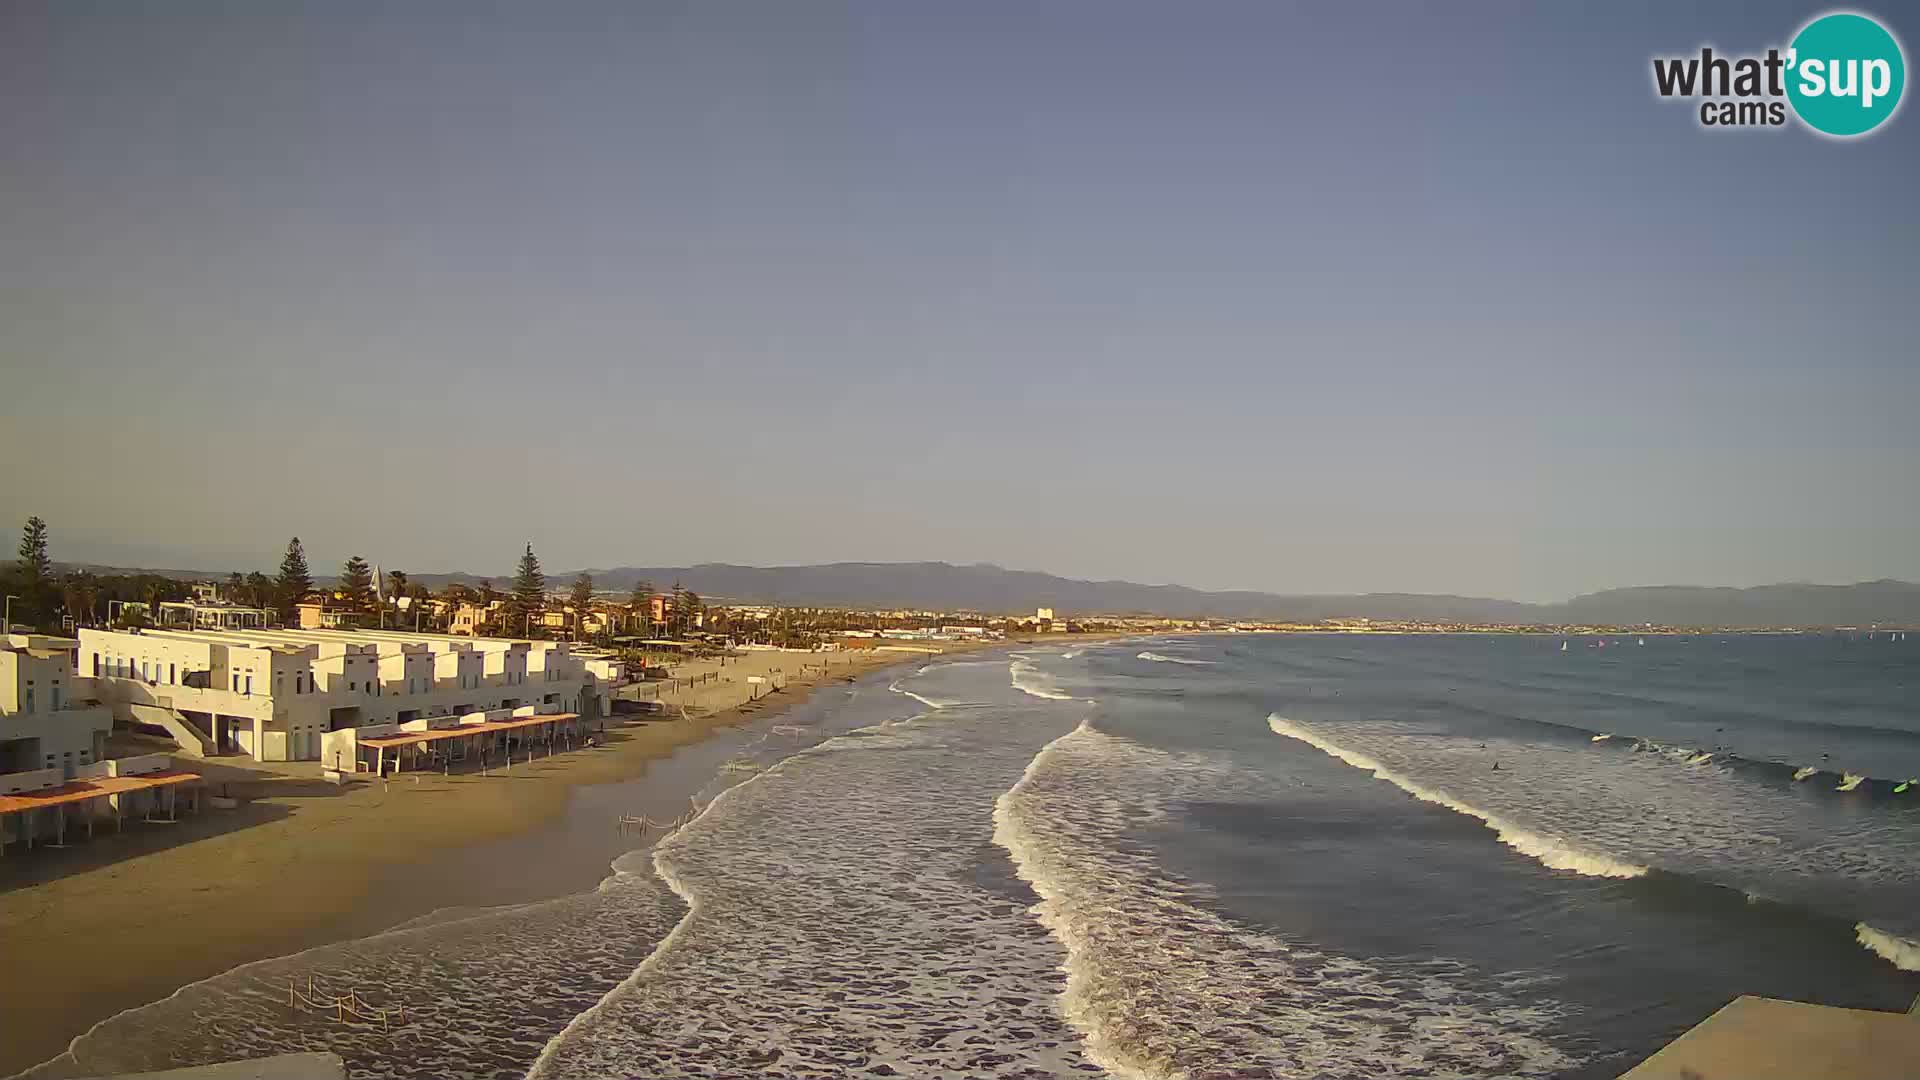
{"points": [[1846, 74]]}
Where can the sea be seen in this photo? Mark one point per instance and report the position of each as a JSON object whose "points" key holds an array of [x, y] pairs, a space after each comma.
{"points": [[1229, 855]]}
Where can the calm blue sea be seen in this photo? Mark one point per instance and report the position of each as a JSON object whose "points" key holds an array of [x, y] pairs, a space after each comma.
{"points": [[1234, 855]]}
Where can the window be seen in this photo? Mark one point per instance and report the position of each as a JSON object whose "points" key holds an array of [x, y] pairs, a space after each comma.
{"points": [[29, 703], [56, 699], [172, 678], [96, 665], [353, 686], [249, 685]]}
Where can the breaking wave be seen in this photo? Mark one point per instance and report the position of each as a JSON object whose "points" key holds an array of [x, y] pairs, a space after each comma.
{"points": [[1551, 851], [1162, 658], [922, 699], [1898, 951], [1029, 678], [1160, 986], [1649, 806], [837, 925]]}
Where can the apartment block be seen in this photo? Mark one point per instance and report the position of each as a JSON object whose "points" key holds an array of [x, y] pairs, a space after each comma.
{"points": [[272, 694], [49, 719]]}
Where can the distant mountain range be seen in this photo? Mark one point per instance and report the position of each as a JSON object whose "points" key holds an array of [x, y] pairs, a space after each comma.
{"points": [[992, 589], [995, 590]]}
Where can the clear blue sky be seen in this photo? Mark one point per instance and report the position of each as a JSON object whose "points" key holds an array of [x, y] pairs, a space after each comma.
{"points": [[1296, 297]]}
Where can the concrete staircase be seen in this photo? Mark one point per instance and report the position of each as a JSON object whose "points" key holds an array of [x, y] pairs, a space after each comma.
{"points": [[185, 732]]}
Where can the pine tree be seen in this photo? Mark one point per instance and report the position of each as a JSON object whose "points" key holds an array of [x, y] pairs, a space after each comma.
{"points": [[581, 598], [35, 573], [295, 581], [356, 585], [529, 591], [677, 610]]}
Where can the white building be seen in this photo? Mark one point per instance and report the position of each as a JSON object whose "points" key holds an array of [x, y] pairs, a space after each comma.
{"points": [[48, 719], [272, 694]]}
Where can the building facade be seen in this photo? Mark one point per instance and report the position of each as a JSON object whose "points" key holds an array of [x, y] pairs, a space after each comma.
{"points": [[48, 716], [272, 694]]}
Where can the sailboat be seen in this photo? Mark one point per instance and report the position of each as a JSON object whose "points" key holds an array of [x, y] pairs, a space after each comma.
{"points": [[1643, 641], [1563, 646]]}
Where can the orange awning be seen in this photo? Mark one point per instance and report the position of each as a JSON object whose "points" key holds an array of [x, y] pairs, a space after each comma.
{"points": [[410, 738], [82, 790]]}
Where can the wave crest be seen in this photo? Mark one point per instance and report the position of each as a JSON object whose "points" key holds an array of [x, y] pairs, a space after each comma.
{"points": [[1161, 986], [1551, 851], [1898, 951], [1028, 678], [1161, 658]]}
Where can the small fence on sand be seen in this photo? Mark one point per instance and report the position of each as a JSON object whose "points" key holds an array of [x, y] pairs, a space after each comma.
{"points": [[643, 824], [346, 1008]]}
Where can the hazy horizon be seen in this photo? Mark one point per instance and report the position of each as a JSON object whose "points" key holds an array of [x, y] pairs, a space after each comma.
{"points": [[1284, 299], [558, 576]]}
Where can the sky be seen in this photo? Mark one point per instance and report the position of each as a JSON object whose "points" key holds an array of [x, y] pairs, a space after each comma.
{"points": [[1298, 297]]}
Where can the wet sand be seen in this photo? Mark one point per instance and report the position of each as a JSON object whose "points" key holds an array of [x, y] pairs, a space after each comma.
{"points": [[124, 920]]}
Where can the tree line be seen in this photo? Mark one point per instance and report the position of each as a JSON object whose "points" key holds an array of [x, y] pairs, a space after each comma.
{"points": [[45, 599]]}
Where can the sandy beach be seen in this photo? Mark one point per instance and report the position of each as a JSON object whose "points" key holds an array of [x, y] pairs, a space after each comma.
{"points": [[121, 920]]}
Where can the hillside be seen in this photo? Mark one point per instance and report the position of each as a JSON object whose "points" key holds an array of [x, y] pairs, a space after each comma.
{"points": [[995, 590]]}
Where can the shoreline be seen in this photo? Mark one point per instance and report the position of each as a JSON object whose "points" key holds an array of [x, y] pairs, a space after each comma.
{"points": [[126, 920]]}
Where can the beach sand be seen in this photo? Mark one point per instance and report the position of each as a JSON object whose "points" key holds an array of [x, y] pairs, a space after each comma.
{"points": [[119, 921]]}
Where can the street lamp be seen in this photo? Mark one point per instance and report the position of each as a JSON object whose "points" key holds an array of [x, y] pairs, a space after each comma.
{"points": [[6, 624]]}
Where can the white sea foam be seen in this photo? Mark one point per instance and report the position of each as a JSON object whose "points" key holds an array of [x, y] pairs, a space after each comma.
{"points": [[484, 989], [1551, 851], [510, 976], [1617, 815], [1030, 678], [928, 702], [1162, 658], [1161, 986], [837, 925], [1898, 951]]}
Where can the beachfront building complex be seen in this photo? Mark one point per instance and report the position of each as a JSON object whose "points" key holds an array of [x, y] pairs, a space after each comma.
{"points": [[272, 694], [48, 718]]}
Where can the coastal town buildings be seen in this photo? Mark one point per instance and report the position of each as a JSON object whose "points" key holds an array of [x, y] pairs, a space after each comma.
{"points": [[273, 694], [48, 717]]}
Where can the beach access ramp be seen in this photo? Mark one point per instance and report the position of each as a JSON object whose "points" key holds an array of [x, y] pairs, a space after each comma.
{"points": [[1756, 1038]]}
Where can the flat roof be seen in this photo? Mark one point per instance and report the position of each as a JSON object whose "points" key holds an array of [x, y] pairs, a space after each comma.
{"points": [[82, 790], [408, 738]]}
